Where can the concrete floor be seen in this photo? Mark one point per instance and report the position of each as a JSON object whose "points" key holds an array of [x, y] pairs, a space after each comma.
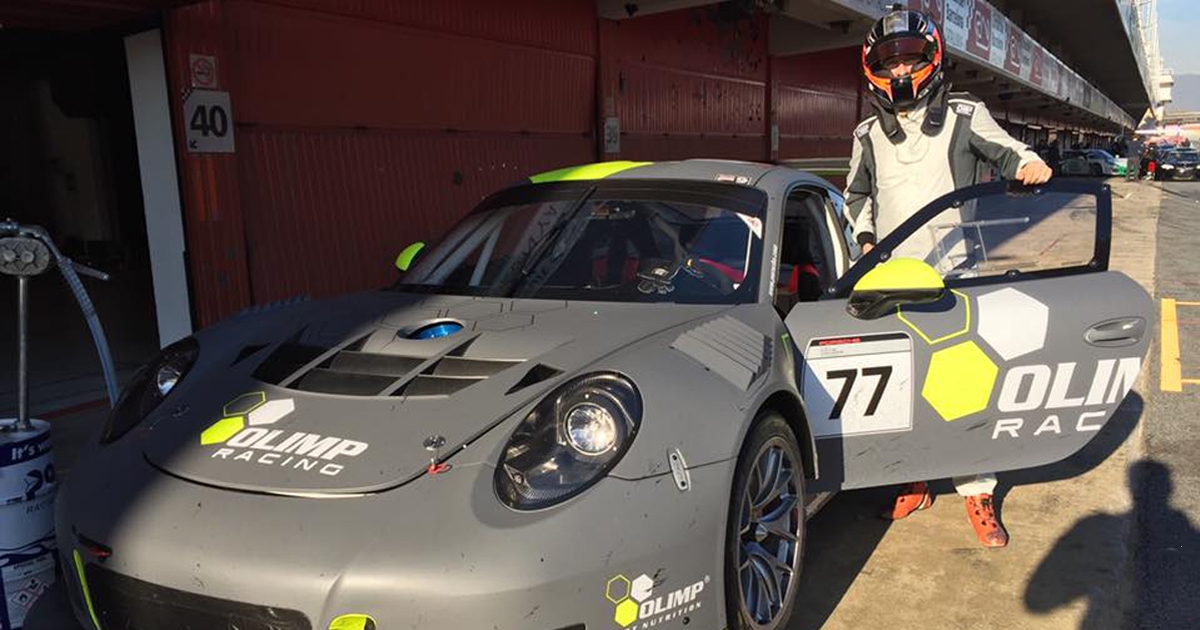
{"points": [[1069, 564]]}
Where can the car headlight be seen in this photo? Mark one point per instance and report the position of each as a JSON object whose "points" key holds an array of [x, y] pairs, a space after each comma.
{"points": [[1168, 166], [570, 440], [149, 387]]}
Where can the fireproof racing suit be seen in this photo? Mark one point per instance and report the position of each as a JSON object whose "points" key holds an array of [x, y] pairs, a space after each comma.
{"points": [[902, 162]]}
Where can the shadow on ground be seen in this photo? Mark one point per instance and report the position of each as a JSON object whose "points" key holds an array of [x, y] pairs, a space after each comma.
{"points": [[1166, 560]]}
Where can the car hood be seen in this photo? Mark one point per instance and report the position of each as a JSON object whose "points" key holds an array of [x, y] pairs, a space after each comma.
{"points": [[334, 398]]}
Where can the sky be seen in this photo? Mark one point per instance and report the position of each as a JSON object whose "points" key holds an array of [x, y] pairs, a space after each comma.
{"points": [[1179, 35]]}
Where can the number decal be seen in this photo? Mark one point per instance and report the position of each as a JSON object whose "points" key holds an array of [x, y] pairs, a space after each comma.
{"points": [[210, 120], [859, 385], [847, 385], [884, 372]]}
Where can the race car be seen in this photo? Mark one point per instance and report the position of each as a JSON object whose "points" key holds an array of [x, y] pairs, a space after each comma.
{"points": [[609, 398], [1178, 164]]}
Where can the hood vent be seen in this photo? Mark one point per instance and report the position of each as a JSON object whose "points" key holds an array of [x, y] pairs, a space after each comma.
{"points": [[535, 375], [352, 372]]}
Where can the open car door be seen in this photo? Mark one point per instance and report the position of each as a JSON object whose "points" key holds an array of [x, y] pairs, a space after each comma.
{"points": [[985, 334]]}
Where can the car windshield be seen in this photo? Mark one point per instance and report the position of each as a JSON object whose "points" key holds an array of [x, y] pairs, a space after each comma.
{"points": [[1190, 155], [1102, 155], [625, 241]]}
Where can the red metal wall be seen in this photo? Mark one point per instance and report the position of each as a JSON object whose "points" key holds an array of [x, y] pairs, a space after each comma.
{"points": [[817, 102], [364, 125], [689, 83], [211, 199]]}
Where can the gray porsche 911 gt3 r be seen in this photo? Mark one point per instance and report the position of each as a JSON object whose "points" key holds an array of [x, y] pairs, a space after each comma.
{"points": [[604, 400]]}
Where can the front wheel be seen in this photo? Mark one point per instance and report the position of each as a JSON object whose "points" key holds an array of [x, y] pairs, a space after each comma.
{"points": [[764, 542]]}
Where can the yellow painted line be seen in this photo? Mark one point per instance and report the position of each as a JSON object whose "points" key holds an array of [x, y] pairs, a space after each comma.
{"points": [[1171, 377], [1188, 303], [1192, 381]]}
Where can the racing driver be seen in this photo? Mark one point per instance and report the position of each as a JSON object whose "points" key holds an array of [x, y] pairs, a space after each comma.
{"points": [[922, 142]]}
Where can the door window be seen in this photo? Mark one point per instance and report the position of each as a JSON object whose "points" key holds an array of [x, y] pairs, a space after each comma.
{"points": [[1001, 230]]}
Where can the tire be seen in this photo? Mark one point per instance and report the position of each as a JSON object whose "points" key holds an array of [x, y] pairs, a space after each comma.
{"points": [[756, 557]]}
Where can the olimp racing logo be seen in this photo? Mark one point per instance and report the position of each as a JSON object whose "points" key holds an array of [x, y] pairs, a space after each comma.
{"points": [[245, 435], [635, 601]]}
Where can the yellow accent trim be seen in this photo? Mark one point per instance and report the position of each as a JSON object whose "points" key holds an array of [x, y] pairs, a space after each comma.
{"points": [[262, 400], [87, 595], [599, 170], [1171, 376], [899, 274], [353, 621], [405, 259], [965, 329]]}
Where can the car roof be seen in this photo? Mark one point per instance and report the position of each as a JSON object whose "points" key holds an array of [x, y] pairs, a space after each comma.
{"points": [[708, 170]]}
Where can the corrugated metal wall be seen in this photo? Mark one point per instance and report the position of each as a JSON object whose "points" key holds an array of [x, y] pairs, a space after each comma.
{"points": [[687, 83], [817, 102], [211, 199], [362, 126]]}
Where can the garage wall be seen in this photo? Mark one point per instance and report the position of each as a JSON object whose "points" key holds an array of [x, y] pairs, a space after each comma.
{"points": [[364, 125], [817, 102], [361, 128], [689, 83]]}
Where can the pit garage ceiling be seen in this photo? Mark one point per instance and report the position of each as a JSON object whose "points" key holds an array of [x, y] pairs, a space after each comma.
{"points": [[1077, 28], [78, 15]]}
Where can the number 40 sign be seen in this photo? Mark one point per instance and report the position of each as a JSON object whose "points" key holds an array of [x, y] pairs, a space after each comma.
{"points": [[208, 121], [859, 385]]}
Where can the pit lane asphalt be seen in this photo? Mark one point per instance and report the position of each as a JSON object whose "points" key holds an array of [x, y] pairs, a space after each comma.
{"points": [[1098, 541]]}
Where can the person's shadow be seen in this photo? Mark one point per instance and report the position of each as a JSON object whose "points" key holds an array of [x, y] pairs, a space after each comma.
{"points": [[1091, 557]]}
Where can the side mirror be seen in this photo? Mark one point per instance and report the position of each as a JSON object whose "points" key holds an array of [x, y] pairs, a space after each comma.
{"points": [[895, 283], [409, 255]]}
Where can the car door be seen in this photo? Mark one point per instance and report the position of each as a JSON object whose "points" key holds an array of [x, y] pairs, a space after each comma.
{"points": [[1022, 360]]}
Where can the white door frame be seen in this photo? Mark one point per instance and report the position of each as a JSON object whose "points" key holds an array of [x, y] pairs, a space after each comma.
{"points": [[160, 183]]}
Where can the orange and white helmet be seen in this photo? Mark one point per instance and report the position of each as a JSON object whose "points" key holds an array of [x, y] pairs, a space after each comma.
{"points": [[908, 35]]}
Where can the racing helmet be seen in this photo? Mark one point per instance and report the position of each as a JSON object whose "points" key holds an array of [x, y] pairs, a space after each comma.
{"points": [[903, 33]]}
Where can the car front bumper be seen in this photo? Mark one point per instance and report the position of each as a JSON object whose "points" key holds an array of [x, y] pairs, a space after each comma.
{"points": [[440, 552]]}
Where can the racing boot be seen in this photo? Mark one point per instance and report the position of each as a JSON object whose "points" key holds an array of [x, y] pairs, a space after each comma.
{"points": [[982, 512], [910, 498]]}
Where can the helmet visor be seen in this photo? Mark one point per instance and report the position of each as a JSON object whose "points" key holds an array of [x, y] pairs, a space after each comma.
{"points": [[915, 51]]}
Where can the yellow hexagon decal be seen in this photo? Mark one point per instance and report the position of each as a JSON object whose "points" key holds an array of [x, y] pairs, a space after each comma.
{"points": [[245, 403], [627, 612], [913, 319], [617, 589], [224, 429], [960, 381]]}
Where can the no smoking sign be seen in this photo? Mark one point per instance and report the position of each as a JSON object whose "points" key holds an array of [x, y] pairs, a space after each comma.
{"points": [[203, 70]]}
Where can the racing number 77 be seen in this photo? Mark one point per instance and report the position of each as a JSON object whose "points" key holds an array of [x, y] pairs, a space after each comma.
{"points": [[883, 372]]}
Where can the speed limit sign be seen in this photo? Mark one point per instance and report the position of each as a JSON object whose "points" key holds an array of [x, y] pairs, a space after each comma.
{"points": [[208, 121]]}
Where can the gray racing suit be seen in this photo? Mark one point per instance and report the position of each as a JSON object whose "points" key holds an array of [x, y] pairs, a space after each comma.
{"points": [[900, 164]]}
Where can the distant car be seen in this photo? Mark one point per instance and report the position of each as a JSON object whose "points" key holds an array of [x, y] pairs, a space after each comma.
{"points": [[601, 401], [1095, 162], [1178, 164]]}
